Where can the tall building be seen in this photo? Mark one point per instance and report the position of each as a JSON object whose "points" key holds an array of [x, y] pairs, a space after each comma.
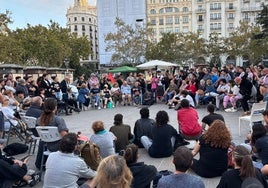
{"points": [[173, 16], [82, 19], [130, 11]]}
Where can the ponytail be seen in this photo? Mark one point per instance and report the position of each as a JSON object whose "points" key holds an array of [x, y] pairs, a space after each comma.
{"points": [[247, 169], [131, 153]]}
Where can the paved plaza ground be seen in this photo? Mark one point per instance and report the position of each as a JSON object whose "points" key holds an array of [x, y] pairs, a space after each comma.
{"points": [[82, 122]]}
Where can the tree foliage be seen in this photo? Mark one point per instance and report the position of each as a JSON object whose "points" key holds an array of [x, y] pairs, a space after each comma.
{"points": [[128, 43], [44, 46]]}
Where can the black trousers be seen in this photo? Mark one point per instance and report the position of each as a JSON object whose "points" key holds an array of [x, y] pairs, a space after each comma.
{"points": [[244, 103]]}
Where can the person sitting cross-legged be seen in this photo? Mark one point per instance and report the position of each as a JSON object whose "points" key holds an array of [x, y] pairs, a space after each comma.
{"points": [[64, 168], [211, 117], [182, 159]]}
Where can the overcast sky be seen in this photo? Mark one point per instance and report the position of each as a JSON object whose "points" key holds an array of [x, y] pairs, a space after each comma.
{"points": [[37, 12]]}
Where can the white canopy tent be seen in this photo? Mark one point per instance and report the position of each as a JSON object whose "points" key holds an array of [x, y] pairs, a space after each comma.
{"points": [[156, 63]]}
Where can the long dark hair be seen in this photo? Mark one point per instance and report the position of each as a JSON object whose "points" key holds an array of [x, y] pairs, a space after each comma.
{"points": [[131, 153], [50, 105], [258, 131], [243, 159]]}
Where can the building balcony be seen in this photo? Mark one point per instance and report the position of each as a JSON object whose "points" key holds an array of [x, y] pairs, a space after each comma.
{"points": [[230, 8], [215, 8], [230, 28], [215, 28], [251, 9], [200, 30], [200, 20], [199, 10], [230, 18], [219, 18]]}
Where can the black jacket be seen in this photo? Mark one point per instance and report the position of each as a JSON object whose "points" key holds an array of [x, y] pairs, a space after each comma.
{"points": [[143, 127], [142, 174]]}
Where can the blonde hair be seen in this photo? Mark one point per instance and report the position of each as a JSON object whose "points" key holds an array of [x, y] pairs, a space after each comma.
{"points": [[113, 173]]}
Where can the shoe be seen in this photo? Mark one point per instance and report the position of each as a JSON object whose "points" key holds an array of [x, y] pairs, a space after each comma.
{"points": [[35, 179], [77, 110], [228, 110], [233, 110], [128, 104], [99, 108]]}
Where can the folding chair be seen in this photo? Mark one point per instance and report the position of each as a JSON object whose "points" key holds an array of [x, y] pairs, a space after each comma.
{"points": [[255, 115], [47, 134], [31, 126], [13, 129]]}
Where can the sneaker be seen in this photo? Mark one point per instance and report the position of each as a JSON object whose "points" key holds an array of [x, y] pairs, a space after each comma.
{"points": [[228, 110], [99, 108], [233, 110]]}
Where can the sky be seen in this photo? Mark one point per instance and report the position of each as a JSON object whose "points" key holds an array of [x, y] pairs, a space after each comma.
{"points": [[37, 12]]}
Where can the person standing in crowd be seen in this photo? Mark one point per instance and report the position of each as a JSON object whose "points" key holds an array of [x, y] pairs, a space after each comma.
{"points": [[163, 137], [46, 85], [213, 149], [122, 133], [143, 127], [182, 160], [243, 169]]}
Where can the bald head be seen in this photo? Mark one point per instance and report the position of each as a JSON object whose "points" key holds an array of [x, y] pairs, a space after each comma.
{"points": [[37, 101]]}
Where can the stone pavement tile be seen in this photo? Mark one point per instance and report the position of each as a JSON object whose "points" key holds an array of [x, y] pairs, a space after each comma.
{"points": [[82, 122]]}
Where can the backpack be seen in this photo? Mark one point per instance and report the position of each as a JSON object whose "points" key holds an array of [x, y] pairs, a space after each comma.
{"points": [[15, 149], [90, 152]]}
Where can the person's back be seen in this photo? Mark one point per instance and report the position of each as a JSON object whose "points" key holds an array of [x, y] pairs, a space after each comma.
{"points": [[211, 117], [123, 135], [143, 127], [182, 160], [64, 168]]}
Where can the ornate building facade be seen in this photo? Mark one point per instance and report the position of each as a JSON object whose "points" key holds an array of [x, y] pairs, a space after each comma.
{"points": [[82, 20]]}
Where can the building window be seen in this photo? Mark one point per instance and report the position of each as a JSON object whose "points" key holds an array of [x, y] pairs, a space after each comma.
{"points": [[169, 9], [185, 9], [200, 27], [169, 1], [185, 19], [83, 28], [175, 1], [231, 25], [169, 30], [169, 21], [185, 29], [161, 21], [75, 27], [230, 16], [161, 30], [69, 19], [90, 28], [152, 11], [200, 18], [89, 19], [83, 19], [200, 8], [153, 22], [177, 20], [75, 19], [231, 6], [176, 9], [83, 34], [161, 11], [177, 29]]}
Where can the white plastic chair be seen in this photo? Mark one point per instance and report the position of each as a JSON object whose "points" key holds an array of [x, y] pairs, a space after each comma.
{"points": [[47, 134], [31, 124], [255, 115]]}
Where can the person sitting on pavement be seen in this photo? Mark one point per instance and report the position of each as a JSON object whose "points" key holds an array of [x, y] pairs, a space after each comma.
{"points": [[213, 149], [243, 169], [211, 117], [142, 174], [176, 100], [64, 168], [103, 138], [182, 160], [143, 127], [163, 137], [112, 173], [188, 121], [122, 133]]}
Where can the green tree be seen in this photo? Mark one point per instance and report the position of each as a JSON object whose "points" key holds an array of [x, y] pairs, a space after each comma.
{"points": [[215, 48], [262, 19], [128, 43], [5, 19]]}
